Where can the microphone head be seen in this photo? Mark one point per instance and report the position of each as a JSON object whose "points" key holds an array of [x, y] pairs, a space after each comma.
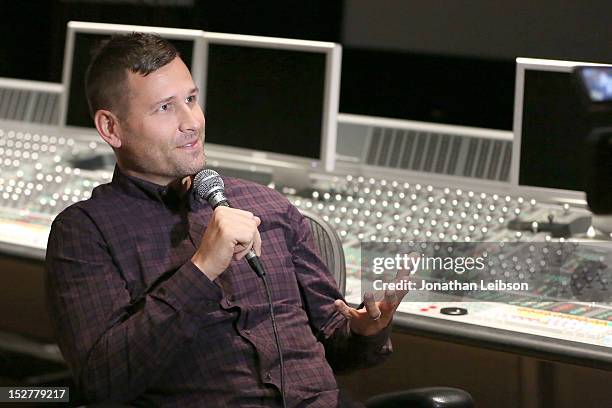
{"points": [[208, 183]]}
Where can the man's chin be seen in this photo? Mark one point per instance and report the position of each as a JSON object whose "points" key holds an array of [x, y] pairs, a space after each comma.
{"points": [[194, 169]]}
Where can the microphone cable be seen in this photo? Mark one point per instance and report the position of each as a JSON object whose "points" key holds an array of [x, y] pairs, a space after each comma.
{"points": [[276, 338], [209, 185]]}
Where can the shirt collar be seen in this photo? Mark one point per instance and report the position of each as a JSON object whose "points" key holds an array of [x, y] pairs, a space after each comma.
{"points": [[133, 186]]}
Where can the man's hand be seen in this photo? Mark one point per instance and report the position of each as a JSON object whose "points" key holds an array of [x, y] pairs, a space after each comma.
{"points": [[375, 316], [231, 233]]}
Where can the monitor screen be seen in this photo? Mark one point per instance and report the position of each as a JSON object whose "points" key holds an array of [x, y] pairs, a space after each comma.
{"points": [[271, 99], [551, 125], [82, 39], [555, 126]]}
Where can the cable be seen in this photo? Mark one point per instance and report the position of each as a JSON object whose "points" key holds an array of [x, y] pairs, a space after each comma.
{"points": [[209, 185], [278, 346]]}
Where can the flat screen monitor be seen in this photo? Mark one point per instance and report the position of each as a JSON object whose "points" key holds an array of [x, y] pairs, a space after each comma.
{"points": [[270, 100], [551, 125], [82, 37]]}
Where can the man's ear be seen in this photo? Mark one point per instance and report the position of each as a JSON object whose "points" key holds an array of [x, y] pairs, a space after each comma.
{"points": [[108, 127]]}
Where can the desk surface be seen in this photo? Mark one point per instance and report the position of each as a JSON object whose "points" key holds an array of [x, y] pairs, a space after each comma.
{"points": [[531, 345], [541, 333]]}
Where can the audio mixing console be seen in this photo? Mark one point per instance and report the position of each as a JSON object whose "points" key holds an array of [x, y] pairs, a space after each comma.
{"points": [[39, 179], [44, 169]]}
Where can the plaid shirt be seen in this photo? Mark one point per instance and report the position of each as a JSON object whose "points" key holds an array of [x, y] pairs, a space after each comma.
{"points": [[138, 322]]}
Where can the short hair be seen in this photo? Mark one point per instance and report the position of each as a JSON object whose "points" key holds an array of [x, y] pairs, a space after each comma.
{"points": [[106, 75]]}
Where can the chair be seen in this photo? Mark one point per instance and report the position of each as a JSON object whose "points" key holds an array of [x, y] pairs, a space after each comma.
{"points": [[329, 245]]}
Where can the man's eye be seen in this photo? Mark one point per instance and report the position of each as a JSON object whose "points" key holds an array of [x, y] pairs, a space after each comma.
{"points": [[191, 99], [164, 107]]}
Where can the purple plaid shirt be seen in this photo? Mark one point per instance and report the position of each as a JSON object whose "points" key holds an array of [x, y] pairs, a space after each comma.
{"points": [[138, 322]]}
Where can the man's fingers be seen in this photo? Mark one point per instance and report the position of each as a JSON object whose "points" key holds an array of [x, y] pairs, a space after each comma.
{"points": [[391, 302], [344, 309], [390, 296], [370, 305], [403, 276], [244, 229], [400, 293], [241, 250], [257, 243], [243, 213]]}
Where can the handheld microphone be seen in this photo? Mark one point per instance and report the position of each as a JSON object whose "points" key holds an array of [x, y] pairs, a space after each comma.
{"points": [[209, 186]]}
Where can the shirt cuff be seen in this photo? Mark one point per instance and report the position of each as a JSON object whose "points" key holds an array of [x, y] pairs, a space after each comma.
{"points": [[189, 290]]}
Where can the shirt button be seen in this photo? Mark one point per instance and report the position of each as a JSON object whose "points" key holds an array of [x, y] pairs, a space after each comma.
{"points": [[247, 332], [268, 376]]}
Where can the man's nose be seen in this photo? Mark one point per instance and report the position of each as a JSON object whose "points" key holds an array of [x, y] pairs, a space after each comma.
{"points": [[188, 119]]}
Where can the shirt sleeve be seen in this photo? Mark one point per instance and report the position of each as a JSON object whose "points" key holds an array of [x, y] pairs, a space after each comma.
{"points": [[116, 348], [344, 349]]}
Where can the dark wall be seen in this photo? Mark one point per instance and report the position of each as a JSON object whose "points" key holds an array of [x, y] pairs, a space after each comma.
{"points": [[554, 29], [418, 60], [25, 45], [34, 32]]}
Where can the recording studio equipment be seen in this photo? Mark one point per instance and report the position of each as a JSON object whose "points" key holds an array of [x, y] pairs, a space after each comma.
{"points": [[291, 125], [557, 224], [599, 175], [272, 101], [30, 101], [45, 169], [595, 85], [550, 126], [394, 180], [412, 149], [550, 130]]}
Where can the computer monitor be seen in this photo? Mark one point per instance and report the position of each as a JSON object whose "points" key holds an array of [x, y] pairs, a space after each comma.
{"points": [[272, 100], [81, 37], [551, 125]]}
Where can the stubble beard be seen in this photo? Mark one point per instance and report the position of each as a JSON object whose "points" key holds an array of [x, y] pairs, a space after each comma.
{"points": [[183, 170]]}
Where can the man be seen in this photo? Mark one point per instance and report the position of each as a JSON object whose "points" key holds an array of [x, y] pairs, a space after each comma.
{"points": [[152, 301]]}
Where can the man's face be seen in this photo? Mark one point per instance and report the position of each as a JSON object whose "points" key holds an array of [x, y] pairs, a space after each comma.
{"points": [[162, 131]]}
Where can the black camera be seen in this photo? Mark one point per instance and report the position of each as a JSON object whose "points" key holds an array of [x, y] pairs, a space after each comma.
{"points": [[595, 83]]}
